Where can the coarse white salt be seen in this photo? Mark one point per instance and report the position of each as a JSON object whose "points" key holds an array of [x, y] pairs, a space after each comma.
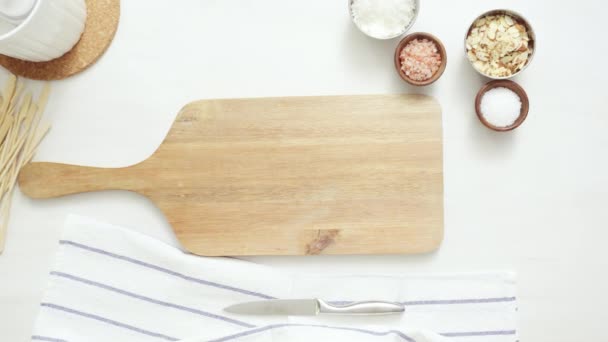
{"points": [[500, 106], [383, 18]]}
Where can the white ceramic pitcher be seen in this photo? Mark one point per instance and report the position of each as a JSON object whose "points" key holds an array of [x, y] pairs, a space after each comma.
{"points": [[51, 29]]}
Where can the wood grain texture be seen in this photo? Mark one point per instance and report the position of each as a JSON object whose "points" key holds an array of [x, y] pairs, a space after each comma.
{"points": [[286, 176]]}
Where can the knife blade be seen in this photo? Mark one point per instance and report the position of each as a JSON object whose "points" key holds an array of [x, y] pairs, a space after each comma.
{"points": [[313, 307]]}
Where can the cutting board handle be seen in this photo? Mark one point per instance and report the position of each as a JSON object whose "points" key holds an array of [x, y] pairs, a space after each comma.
{"points": [[45, 180]]}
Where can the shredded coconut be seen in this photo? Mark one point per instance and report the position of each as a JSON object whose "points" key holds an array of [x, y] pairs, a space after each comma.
{"points": [[500, 106], [383, 18]]}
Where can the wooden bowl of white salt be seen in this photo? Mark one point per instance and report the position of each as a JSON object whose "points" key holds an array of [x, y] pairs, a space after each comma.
{"points": [[502, 105]]}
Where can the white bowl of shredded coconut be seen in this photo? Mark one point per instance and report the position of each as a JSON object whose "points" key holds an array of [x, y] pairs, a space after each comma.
{"points": [[384, 19]]}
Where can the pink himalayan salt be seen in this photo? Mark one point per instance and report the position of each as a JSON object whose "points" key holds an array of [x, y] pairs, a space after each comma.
{"points": [[420, 59]]}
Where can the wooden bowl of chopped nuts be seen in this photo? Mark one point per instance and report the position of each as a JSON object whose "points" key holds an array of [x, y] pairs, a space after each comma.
{"points": [[500, 44], [420, 58]]}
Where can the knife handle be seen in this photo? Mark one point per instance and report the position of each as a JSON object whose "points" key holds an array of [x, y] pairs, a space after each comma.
{"points": [[361, 308]]}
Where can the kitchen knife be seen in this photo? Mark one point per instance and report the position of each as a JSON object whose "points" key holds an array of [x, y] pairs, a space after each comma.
{"points": [[313, 307]]}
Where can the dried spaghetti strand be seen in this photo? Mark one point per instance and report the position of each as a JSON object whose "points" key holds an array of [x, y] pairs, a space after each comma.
{"points": [[21, 131]]}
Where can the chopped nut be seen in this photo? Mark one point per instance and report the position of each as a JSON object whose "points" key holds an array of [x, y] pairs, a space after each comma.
{"points": [[498, 45]]}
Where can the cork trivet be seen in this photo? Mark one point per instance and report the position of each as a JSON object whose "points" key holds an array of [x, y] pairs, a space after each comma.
{"points": [[100, 27]]}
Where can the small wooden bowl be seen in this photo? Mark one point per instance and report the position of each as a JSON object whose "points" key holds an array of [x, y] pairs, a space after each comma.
{"points": [[442, 52], [517, 89]]}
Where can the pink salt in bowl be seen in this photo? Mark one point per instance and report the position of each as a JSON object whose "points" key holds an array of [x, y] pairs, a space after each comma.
{"points": [[418, 81]]}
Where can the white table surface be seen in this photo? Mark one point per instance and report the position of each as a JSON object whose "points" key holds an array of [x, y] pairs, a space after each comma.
{"points": [[533, 201]]}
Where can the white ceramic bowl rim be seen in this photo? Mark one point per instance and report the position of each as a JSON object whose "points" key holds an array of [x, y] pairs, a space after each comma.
{"points": [[518, 16], [24, 23], [405, 29]]}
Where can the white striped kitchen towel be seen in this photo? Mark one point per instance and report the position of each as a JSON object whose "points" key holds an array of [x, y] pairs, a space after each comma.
{"points": [[113, 284]]}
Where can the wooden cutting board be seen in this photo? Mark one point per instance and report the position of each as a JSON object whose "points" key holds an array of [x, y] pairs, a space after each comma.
{"points": [[286, 176]]}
